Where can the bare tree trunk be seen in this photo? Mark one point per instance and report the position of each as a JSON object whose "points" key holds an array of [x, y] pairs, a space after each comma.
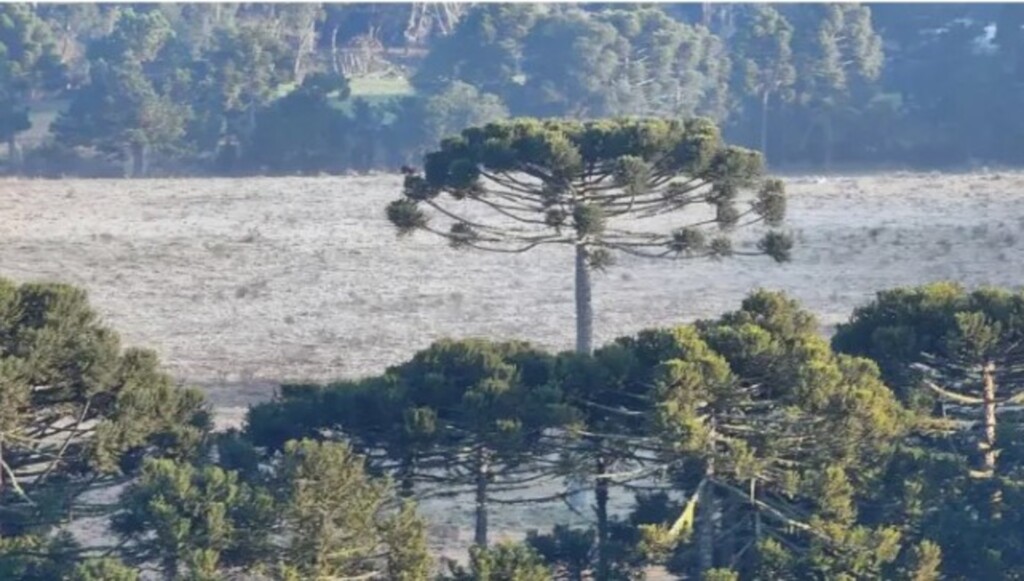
{"points": [[247, 127], [828, 142], [13, 153], [138, 154], [334, 51], [757, 513], [407, 472], [415, 16], [764, 125], [584, 308], [448, 18], [482, 477], [297, 65], [65, 42], [988, 444], [601, 510], [706, 508], [726, 542]]}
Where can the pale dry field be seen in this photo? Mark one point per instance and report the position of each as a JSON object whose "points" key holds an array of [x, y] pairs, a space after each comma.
{"points": [[242, 284]]}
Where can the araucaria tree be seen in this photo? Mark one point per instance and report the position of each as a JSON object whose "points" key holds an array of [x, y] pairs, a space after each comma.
{"points": [[77, 414], [461, 417], [575, 184], [765, 61], [965, 349]]}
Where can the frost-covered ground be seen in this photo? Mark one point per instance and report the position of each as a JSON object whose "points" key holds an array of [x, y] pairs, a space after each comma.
{"points": [[240, 284]]}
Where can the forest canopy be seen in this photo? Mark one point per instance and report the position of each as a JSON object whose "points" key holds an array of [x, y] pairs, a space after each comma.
{"points": [[123, 89]]}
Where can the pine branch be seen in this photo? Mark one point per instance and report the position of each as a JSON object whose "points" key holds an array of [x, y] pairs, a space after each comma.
{"points": [[67, 442], [478, 246], [534, 500], [13, 479], [954, 396]]}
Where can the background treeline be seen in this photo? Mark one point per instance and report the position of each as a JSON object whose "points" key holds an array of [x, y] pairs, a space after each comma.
{"points": [[751, 447], [262, 88]]}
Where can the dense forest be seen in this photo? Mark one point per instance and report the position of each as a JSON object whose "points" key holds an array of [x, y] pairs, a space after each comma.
{"points": [[754, 449], [222, 89]]}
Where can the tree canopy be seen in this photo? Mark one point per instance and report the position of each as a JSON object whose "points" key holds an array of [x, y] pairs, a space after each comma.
{"points": [[186, 87], [568, 183]]}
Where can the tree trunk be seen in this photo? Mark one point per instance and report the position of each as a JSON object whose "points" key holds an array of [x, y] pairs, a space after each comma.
{"points": [[706, 508], [764, 125], [297, 67], [757, 513], [725, 542], [407, 472], [828, 142], [245, 128], [482, 477], [139, 165], [584, 308], [307, 42], [334, 51], [706, 530], [988, 444], [65, 42], [601, 509], [12, 149], [13, 153]]}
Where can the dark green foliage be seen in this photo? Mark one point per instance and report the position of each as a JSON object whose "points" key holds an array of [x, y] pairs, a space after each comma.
{"points": [[127, 109], [472, 410], [240, 71], [60, 365], [836, 54], [302, 131], [105, 569], [754, 401], [457, 107], [720, 574], [764, 61], [670, 69], [802, 454], [483, 51], [953, 354], [572, 162], [314, 514], [568, 551], [925, 562], [334, 513], [194, 519], [37, 558], [29, 64], [503, 562], [580, 83], [852, 83], [405, 535], [77, 414], [610, 62], [761, 408], [903, 325]]}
